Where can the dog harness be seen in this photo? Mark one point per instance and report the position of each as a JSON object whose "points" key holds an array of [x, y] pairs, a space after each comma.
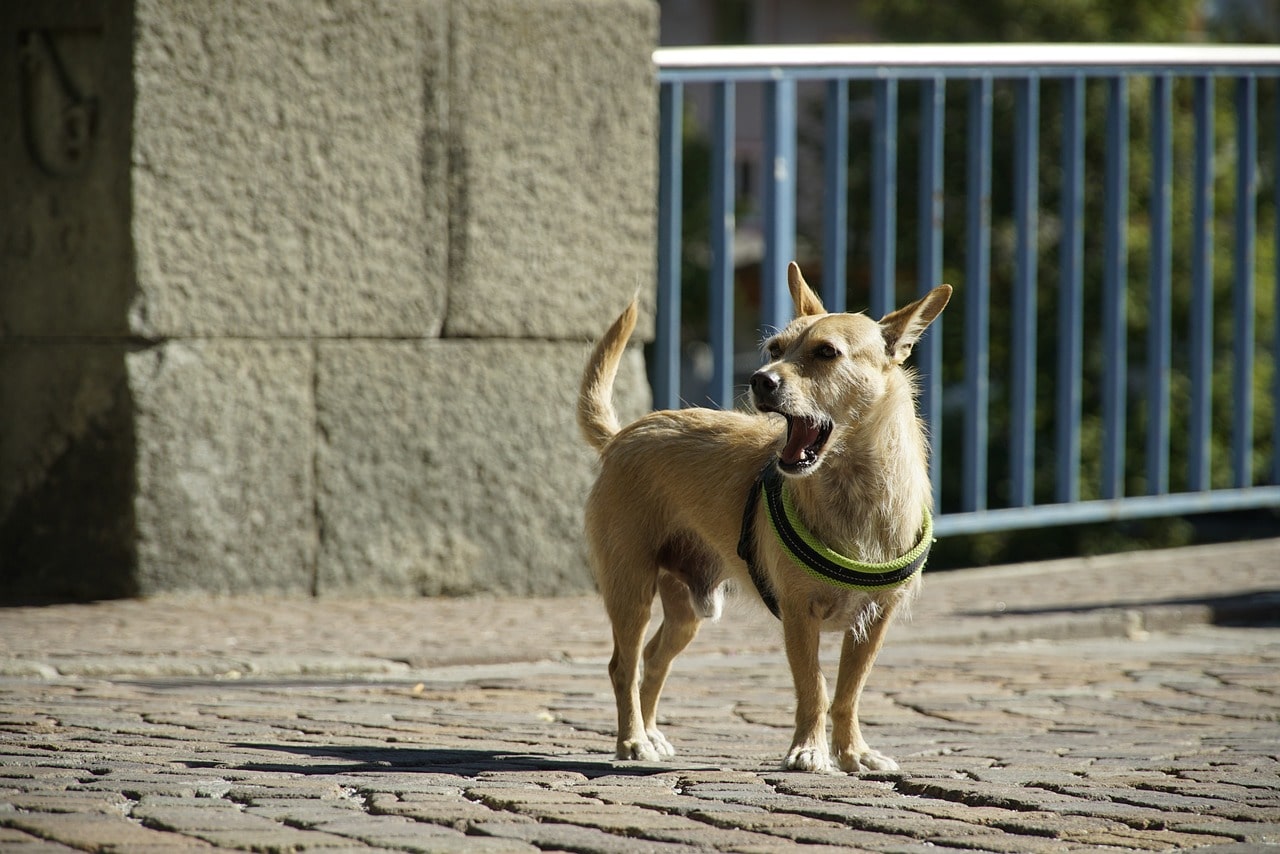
{"points": [[810, 553]]}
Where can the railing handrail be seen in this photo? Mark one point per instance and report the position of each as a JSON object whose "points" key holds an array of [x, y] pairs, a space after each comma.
{"points": [[767, 62]]}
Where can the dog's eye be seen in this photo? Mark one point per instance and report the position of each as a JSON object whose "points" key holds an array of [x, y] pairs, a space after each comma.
{"points": [[773, 349], [826, 351]]}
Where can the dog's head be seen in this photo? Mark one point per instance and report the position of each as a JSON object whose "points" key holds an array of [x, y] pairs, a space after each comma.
{"points": [[826, 371]]}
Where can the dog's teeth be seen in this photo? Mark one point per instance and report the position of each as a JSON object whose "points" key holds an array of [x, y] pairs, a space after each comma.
{"points": [[802, 433]]}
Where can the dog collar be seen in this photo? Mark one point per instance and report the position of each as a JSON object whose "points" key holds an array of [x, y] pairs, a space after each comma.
{"points": [[811, 553]]}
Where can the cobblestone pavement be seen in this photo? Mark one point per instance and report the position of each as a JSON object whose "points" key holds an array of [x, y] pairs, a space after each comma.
{"points": [[1124, 703]]}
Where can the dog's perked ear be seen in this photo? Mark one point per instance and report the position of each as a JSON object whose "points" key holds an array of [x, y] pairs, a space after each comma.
{"points": [[802, 296], [902, 328]]}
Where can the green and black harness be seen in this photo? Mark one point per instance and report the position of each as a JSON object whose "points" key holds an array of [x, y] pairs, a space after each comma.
{"points": [[810, 553]]}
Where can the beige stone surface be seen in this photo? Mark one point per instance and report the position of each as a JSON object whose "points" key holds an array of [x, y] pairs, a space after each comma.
{"points": [[553, 132], [286, 180], [205, 196], [225, 481], [454, 466]]}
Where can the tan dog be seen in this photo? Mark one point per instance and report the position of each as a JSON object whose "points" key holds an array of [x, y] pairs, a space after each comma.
{"points": [[667, 513]]}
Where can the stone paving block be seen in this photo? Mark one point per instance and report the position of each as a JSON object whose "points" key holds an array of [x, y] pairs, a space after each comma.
{"points": [[1170, 802], [108, 803], [747, 841], [455, 812], [992, 840], [197, 815], [391, 832], [816, 833], [409, 477], [570, 837], [552, 232], [25, 843], [517, 795], [1253, 832], [251, 794], [622, 819], [649, 798], [91, 832], [558, 779], [11, 838], [276, 837]]}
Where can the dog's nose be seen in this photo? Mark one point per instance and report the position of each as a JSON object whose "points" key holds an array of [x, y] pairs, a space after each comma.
{"points": [[765, 382]]}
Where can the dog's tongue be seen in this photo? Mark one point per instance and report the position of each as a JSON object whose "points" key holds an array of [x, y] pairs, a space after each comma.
{"points": [[801, 433]]}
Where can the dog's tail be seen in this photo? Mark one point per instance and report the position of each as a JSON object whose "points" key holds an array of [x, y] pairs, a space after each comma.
{"points": [[596, 417]]}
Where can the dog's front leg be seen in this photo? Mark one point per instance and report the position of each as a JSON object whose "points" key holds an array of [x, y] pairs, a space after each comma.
{"points": [[809, 750], [857, 655]]}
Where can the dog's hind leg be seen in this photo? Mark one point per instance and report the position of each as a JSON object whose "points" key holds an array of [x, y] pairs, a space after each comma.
{"points": [[680, 624], [856, 657], [629, 613]]}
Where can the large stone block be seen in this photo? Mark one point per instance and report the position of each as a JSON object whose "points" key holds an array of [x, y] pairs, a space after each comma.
{"points": [[552, 110], [285, 181], [182, 466], [225, 466], [455, 466]]}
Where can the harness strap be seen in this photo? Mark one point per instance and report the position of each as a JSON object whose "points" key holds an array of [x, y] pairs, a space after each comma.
{"points": [[747, 543], [811, 554]]}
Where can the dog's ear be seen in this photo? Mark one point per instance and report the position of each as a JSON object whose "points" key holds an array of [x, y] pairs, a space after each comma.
{"points": [[802, 296], [902, 328]]}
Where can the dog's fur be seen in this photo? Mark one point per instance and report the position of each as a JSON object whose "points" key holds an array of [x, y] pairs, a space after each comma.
{"points": [[665, 513]]}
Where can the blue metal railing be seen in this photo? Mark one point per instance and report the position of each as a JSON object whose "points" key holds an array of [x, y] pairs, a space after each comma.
{"points": [[778, 71]]}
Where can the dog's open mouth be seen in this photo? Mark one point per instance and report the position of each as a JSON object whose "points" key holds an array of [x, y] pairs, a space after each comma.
{"points": [[806, 438]]}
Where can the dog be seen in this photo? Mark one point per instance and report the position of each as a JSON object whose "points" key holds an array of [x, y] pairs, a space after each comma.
{"points": [[833, 460]]}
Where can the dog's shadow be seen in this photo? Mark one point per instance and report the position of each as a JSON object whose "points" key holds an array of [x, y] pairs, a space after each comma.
{"points": [[461, 762]]}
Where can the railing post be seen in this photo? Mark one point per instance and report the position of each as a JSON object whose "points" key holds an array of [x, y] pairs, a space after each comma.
{"points": [[1201, 287], [1243, 302], [666, 345], [884, 196], [1159, 313], [780, 201], [835, 195], [1026, 206], [1071, 296], [977, 296], [1115, 288], [1275, 320], [723, 126], [933, 92]]}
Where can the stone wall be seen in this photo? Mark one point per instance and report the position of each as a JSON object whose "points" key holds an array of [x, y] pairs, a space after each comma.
{"points": [[295, 297]]}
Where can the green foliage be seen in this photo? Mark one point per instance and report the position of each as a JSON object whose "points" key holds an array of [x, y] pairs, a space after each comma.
{"points": [[1033, 20]]}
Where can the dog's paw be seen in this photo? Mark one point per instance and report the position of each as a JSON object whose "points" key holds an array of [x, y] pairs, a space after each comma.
{"points": [[641, 750], [660, 743], [866, 760], [814, 759]]}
